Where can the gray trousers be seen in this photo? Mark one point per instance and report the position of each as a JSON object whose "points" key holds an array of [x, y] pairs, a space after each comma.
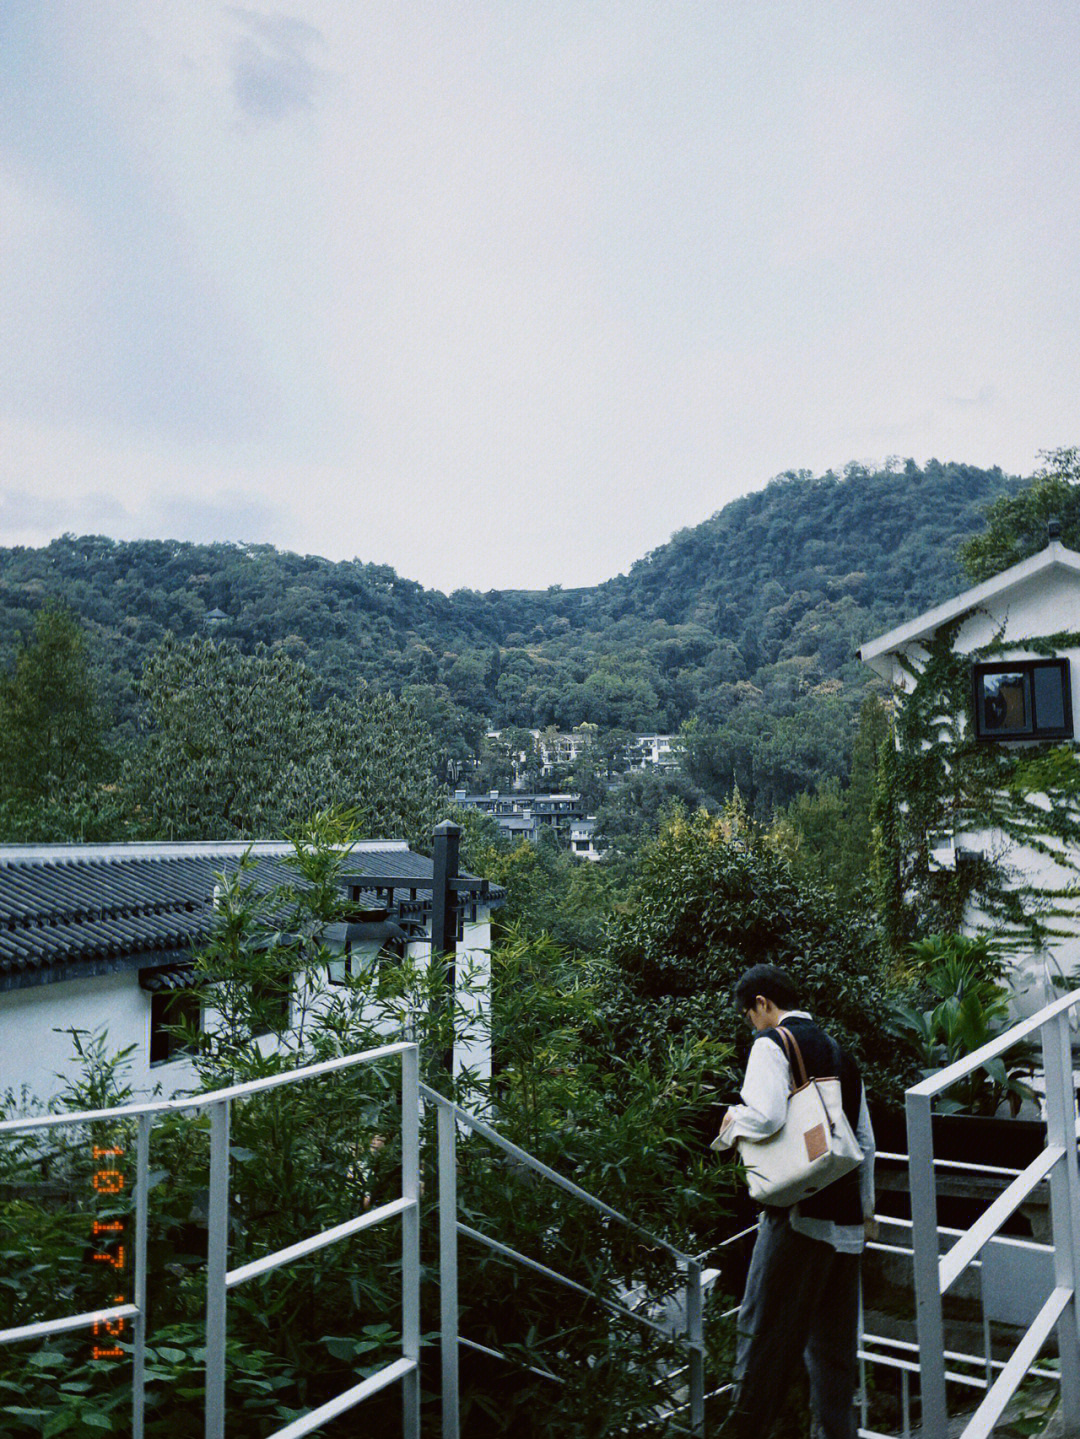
{"points": [[801, 1299]]}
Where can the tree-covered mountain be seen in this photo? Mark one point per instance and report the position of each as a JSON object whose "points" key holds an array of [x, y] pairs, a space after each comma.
{"points": [[759, 609]]}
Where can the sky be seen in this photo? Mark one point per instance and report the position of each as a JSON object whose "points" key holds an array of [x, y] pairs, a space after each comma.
{"points": [[502, 293]]}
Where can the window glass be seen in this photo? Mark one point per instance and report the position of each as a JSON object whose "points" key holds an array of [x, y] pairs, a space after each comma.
{"points": [[1006, 703], [1049, 697]]}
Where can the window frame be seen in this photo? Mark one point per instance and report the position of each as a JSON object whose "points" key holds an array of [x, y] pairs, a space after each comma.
{"points": [[1037, 732], [390, 949]]}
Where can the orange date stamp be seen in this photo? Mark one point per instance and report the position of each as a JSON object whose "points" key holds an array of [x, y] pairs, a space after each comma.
{"points": [[110, 1235]]}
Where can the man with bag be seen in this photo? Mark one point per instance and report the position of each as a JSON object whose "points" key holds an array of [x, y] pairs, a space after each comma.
{"points": [[802, 1291]]}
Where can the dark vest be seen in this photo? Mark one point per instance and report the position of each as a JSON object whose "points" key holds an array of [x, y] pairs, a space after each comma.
{"points": [[824, 1059]]}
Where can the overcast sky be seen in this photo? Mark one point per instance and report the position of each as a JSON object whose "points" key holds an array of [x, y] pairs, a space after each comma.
{"points": [[504, 293]]}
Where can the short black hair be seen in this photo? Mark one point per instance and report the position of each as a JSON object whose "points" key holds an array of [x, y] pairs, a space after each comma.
{"points": [[768, 980]]}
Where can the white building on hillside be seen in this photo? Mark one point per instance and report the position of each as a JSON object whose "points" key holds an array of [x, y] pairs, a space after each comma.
{"points": [[1023, 691]]}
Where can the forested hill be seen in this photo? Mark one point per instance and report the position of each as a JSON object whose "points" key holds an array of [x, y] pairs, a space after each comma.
{"points": [[765, 603]]}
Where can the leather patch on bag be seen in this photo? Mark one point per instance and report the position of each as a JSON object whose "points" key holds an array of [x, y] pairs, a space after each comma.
{"points": [[816, 1142]]}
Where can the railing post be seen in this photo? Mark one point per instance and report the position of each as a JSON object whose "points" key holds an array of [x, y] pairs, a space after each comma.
{"points": [[1064, 1199], [138, 1372], [445, 851], [217, 1263], [448, 1295], [410, 1239], [926, 1256], [695, 1339]]}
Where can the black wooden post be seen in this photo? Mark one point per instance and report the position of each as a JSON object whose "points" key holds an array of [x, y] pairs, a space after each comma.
{"points": [[444, 862]]}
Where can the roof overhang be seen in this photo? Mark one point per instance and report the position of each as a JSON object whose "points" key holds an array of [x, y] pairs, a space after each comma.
{"points": [[57, 971], [876, 653]]}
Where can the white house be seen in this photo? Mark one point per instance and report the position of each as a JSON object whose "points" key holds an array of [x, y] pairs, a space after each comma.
{"points": [[1019, 695], [101, 937], [655, 751], [583, 839]]}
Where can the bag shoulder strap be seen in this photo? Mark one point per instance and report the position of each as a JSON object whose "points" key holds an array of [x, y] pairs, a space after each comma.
{"points": [[790, 1043]]}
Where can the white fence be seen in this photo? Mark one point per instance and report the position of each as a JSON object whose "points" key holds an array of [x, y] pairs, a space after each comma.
{"points": [[220, 1278], [934, 1272]]}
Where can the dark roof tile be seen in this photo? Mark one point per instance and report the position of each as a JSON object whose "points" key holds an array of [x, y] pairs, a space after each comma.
{"points": [[85, 903]]}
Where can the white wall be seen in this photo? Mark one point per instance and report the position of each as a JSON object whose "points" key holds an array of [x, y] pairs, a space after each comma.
{"points": [[474, 954], [34, 1055]]}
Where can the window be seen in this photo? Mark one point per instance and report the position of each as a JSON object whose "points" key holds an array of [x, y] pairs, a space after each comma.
{"points": [[168, 1009], [363, 955], [1023, 699]]}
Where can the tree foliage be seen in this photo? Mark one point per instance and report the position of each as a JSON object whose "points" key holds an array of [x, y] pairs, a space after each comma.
{"points": [[750, 619], [1016, 524], [828, 836], [235, 748], [711, 898], [53, 759], [305, 1158]]}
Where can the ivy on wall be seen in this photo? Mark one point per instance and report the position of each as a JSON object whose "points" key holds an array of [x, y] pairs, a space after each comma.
{"points": [[935, 780]]}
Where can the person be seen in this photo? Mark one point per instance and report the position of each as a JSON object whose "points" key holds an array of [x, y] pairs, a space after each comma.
{"points": [[802, 1289]]}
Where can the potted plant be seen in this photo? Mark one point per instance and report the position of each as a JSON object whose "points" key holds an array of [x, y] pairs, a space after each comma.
{"points": [[958, 1003]]}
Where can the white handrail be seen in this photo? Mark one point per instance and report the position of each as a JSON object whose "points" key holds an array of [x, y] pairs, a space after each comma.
{"points": [[220, 1279], [449, 1116], [204, 1097], [935, 1273], [474, 1122]]}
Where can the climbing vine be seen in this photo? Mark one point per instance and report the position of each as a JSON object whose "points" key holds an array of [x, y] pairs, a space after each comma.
{"points": [[936, 780]]}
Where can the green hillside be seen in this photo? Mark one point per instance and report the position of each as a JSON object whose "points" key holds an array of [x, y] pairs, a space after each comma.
{"points": [[759, 608]]}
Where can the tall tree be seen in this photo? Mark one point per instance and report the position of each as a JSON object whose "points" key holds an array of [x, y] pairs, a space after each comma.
{"points": [[236, 749], [51, 746], [828, 836]]}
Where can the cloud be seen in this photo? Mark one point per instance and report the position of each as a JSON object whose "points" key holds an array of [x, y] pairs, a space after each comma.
{"points": [[51, 483], [272, 71], [232, 515], [502, 294]]}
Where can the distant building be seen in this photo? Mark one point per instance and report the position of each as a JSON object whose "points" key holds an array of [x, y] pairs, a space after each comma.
{"points": [[562, 750], [654, 751], [102, 937], [525, 816], [583, 840]]}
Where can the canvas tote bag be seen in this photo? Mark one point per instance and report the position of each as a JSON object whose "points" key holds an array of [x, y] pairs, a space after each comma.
{"points": [[814, 1146]]}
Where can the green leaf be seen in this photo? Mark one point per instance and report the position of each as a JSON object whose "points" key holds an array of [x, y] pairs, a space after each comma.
{"points": [[171, 1355]]}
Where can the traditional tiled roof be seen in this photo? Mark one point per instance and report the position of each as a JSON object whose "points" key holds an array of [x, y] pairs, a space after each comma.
{"points": [[68, 910]]}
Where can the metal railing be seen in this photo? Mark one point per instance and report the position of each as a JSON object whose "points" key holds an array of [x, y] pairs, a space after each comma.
{"points": [[935, 1272], [905, 1362], [220, 1279], [450, 1117]]}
